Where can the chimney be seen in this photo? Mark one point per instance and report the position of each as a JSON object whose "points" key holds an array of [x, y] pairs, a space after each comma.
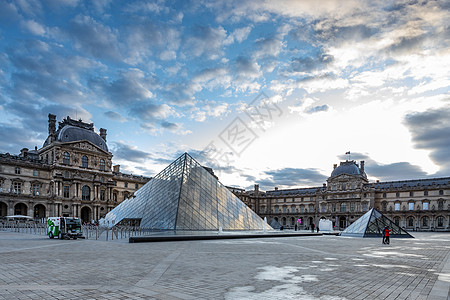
{"points": [[334, 166], [362, 166], [116, 169], [256, 187], [103, 133], [24, 152], [52, 127]]}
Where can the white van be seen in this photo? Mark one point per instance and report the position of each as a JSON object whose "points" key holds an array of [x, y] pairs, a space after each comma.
{"points": [[64, 228]]}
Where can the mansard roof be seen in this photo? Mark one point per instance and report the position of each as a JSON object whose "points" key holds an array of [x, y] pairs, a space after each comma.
{"points": [[300, 191], [410, 183]]}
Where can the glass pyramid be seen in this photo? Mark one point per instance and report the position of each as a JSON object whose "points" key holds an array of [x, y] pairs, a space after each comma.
{"points": [[371, 224], [185, 196]]}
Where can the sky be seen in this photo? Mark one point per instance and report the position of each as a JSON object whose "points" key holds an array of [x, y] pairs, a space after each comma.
{"points": [[264, 92]]}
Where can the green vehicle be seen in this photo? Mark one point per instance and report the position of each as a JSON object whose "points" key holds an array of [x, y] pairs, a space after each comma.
{"points": [[64, 228]]}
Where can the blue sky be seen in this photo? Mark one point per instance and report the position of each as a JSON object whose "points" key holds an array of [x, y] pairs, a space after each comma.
{"points": [[268, 92]]}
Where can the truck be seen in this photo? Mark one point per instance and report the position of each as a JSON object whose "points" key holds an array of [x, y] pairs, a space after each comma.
{"points": [[64, 228]]}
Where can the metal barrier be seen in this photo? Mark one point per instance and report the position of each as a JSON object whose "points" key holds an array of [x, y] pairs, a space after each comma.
{"points": [[89, 231]]}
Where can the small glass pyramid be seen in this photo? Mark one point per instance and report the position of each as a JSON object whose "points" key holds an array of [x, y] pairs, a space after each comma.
{"points": [[371, 224], [185, 196]]}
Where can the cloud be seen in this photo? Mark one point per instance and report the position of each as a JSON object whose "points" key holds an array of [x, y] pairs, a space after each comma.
{"points": [[247, 69], [270, 46], [387, 172], [34, 27], [115, 116], [317, 109], [15, 138], [311, 63], [129, 87], [151, 112], [126, 152], [206, 41], [90, 36], [430, 130], [291, 177]]}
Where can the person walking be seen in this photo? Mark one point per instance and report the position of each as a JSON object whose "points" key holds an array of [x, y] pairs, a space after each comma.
{"points": [[312, 227], [386, 235]]}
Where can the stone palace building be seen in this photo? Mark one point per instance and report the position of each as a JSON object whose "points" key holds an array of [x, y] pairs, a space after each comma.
{"points": [[72, 174], [416, 205]]}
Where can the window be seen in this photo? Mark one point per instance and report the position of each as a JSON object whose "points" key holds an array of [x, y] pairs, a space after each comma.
{"points": [[126, 184], [66, 174], [36, 173], [343, 207], [102, 195], [284, 209], [136, 186], [384, 205], [441, 192], [323, 207], [17, 170], [425, 193], [364, 206], [115, 197], [66, 191], [66, 158], [333, 207], [86, 193], [102, 164], [397, 221], [425, 222], [397, 206], [311, 208], [263, 209], [276, 209], [425, 206], [410, 222], [35, 189], [441, 204], [302, 209], [411, 206], [384, 195], [352, 206], [84, 161], [17, 187], [440, 221], [397, 194], [411, 194]]}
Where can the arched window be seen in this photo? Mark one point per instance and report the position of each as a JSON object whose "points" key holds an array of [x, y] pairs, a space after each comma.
{"points": [[410, 222], [86, 193], [425, 222], [66, 158], [84, 161], [102, 164], [397, 221], [440, 221]]}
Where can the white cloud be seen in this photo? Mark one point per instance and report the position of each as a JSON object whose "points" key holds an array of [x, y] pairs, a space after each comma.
{"points": [[34, 27]]}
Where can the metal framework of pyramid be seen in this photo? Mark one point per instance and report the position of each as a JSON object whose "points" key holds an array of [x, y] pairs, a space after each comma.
{"points": [[371, 224], [185, 196]]}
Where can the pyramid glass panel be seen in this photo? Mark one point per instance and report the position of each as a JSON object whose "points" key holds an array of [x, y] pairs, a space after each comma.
{"points": [[372, 224], [185, 196]]}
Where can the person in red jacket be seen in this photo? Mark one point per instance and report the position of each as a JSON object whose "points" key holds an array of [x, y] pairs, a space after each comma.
{"points": [[386, 235]]}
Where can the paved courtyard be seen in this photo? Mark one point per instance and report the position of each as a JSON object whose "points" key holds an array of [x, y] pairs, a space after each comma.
{"points": [[316, 267]]}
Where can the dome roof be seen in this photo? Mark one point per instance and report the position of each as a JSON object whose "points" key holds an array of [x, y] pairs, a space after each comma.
{"points": [[71, 134], [346, 167]]}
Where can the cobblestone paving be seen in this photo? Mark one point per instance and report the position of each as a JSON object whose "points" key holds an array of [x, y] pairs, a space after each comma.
{"points": [[322, 267]]}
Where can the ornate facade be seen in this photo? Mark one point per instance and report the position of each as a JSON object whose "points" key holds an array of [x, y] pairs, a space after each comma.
{"points": [[71, 175], [416, 205]]}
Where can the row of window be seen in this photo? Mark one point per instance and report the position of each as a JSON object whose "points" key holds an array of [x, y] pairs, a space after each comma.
{"points": [[425, 206], [84, 161], [425, 221], [18, 170], [411, 194]]}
